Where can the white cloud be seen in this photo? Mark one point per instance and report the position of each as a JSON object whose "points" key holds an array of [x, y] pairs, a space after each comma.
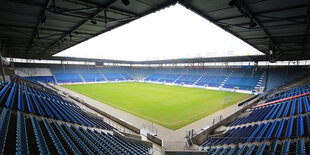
{"points": [[172, 33]]}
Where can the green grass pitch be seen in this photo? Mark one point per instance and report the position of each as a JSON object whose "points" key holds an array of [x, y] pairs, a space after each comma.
{"points": [[170, 106]]}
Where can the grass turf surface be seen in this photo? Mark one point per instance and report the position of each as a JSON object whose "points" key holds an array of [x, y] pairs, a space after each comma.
{"points": [[170, 106]]}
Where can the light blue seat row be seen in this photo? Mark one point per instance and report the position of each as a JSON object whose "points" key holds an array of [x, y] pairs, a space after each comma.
{"points": [[54, 138], [261, 149], [224, 151], [232, 151], [39, 137], [98, 141], [21, 135], [273, 148], [111, 146], [242, 150], [286, 147], [4, 125], [217, 151], [251, 149], [68, 141], [300, 147], [135, 148], [116, 144], [76, 138], [89, 142]]}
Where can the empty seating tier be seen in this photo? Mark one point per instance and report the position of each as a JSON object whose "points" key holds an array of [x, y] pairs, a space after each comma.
{"points": [[24, 97], [279, 128], [42, 136]]}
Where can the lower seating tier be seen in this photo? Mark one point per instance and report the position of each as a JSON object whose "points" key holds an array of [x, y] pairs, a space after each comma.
{"points": [[25, 134], [38, 102], [278, 129], [300, 147]]}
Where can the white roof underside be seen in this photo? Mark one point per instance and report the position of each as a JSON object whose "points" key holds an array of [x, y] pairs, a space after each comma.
{"points": [[172, 33]]}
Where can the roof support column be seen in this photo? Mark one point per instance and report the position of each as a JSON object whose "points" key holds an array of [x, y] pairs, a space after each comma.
{"points": [[1, 63]]}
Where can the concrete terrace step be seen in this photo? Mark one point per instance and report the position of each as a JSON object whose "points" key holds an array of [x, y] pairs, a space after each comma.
{"points": [[259, 83], [121, 76], [103, 76], [162, 77], [54, 78], [82, 77], [178, 78], [260, 79], [226, 79], [200, 77]]}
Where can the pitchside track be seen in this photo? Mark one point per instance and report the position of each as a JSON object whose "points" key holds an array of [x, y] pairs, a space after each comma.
{"points": [[170, 106]]}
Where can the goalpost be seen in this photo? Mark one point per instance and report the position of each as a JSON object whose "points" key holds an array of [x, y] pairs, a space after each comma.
{"points": [[227, 99]]}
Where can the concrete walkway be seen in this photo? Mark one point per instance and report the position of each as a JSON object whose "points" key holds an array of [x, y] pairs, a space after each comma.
{"points": [[169, 136]]}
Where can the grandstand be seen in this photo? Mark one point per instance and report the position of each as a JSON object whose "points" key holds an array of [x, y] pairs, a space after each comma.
{"points": [[247, 80], [266, 97]]}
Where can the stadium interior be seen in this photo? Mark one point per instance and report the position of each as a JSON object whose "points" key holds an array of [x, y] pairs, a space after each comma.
{"points": [[39, 115]]}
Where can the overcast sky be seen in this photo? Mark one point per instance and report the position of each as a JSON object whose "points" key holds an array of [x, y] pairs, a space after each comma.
{"points": [[172, 33]]}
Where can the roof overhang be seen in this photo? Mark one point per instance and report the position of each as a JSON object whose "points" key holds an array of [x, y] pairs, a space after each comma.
{"points": [[40, 28]]}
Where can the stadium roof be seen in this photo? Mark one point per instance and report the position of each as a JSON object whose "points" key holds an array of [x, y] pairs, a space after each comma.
{"points": [[280, 25], [41, 28], [173, 61]]}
